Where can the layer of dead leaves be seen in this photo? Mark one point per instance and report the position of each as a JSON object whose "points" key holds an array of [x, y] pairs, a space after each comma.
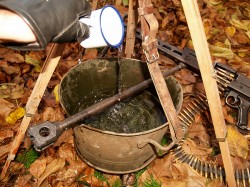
{"points": [[227, 26]]}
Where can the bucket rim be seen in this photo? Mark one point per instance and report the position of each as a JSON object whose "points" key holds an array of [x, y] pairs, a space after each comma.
{"points": [[123, 134]]}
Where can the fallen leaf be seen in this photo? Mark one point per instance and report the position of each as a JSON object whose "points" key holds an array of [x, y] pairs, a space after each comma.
{"points": [[54, 166], [14, 58], [238, 144], [56, 93], [52, 114], [32, 60], [162, 167], [22, 181], [185, 77], [6, 108], [200, 152], [230, 31], [198, 131], [17, 114], [4, 150], [5, 134], [11, 90], [240, 24], [224, 52], [38, 167]]}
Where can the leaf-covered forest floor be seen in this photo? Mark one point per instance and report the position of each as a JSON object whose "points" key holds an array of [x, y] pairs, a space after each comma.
{"points": [[227, 27]]}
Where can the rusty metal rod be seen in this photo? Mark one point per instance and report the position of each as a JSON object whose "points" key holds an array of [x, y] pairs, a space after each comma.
{"points": [[45, 134], [105, 103]]}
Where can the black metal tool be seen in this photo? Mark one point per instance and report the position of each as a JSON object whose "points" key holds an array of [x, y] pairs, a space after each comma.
{"points": [[45, 134]]}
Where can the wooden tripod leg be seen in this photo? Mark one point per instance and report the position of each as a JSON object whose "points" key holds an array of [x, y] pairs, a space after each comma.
{"points": [[43, 79], [131, 29], [197, 32]]}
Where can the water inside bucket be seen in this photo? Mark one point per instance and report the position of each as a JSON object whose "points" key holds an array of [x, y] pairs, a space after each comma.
{"points": [[137, 114]]}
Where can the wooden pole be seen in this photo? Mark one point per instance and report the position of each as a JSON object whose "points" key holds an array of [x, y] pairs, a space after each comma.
{"points": [[37, 93], [131, 29], [198, 36]]}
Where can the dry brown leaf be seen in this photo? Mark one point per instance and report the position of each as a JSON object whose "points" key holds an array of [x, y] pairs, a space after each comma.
{"points": [[52, 114], [73, 170], [192, 178], [65, 137], [199, 132], [90, 54], [54, 166], [200, 152], [14, 58], [8, 69], [162, 167], [6, 108], [22, 181], [66, 152], [38, 167], [215, 182], [185, 77], [6, 133], [238, 144], [4, 150]]}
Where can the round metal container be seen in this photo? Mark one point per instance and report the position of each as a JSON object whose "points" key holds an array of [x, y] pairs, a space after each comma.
{"points": [[107, 151]]}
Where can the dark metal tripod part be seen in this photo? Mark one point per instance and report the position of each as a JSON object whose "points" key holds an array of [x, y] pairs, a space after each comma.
{"points": [[45, 134]]}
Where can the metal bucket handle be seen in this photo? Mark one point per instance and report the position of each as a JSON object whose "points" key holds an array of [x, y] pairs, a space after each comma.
{"points": [[144, 142]]}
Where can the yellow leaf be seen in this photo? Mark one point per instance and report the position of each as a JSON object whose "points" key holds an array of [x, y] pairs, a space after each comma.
{"points": [[230, 31], [248, 34], [221, 52], [15, 115], [238, 144], [29, 59], [214, 2], [56, 93], [240, 24]]}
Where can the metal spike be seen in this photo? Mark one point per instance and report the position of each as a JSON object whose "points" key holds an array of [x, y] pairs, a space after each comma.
{"points": [[226, 81], [243, 177], [177, 150], [192, 112], [211, 171], [186, 159], [188, 114], [184, 121], [201, 168], [226, 72], [237, 177], [177, 157], [197, 106], [185, 117], [248, 176], [215, 171], [206, 170], [193, 108], [221, 175], [204, 101], [197, 165], [193, 164], [182, 157], [191, 160]]}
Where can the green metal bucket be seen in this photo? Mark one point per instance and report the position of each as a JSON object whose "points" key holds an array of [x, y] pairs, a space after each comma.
{"points": [[108, 151]]}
